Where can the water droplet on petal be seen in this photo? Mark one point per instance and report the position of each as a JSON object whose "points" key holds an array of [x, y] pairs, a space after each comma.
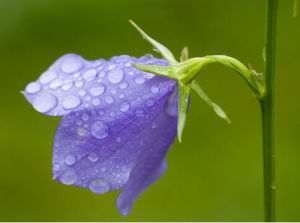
{"points": [[124, 168], [70, 159], [71, 65], [82, 92], [47, 76], [93, 157], [123, 85], [96, 91], [149, 102], [68, 177], [124, 106], [44, 102], [56, 84], [33, 88], [139, 80], [96, 101], [56, 167], [81, 131], [85, 117], [153, 125], [99, 186], [115, 76], [90, 74], [71, 102], [118, 139], [109, 99], [79, 83], [67, 86], [99, 130], [154, 89], [103, 169]]}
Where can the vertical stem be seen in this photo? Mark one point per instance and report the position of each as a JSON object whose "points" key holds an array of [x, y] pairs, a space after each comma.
{"points": [[267, 109]]}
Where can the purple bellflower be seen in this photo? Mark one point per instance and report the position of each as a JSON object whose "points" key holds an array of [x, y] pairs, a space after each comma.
{"points": [[119, 119], [118, 123]]}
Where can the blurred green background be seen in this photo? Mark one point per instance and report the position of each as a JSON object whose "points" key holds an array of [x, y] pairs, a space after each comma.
{"points": [[216, 173]]}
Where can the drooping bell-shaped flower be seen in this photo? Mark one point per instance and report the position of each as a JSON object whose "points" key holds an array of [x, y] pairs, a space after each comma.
{"points": [[119, 119], [118, 123]]}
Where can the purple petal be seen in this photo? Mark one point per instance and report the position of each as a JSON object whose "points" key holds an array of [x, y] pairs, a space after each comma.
{"points": [[73, 83]]}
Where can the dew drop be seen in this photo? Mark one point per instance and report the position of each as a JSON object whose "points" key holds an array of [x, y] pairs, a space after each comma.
{"points": [[99, 130], [139, 80], [153, 125], [109, 99], [101, 112], [47, 77], [82, 131], [55, 84], [70, 159], [96, 101], [67, 86], [124, 168], [115, 76], [79, 83], [82, 92], [124, 106], [93, 157], [121, 95], [96, 91], [99, 186], [123, 85], [68, 177], [85, 117], [154, 89], [44, 102], [56, 167], [103, 169], [71, 65], [149, 102], [71, 102], [90, 74], [33, 88]]}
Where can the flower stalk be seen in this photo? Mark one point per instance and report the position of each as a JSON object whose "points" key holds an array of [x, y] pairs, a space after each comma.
{"points": [[267, 111]]}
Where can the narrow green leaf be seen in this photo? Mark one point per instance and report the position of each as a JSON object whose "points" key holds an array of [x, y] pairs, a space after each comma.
{"points": [[164, 51], [184, 54], [183, 100], [158, 70], [217, 109]]}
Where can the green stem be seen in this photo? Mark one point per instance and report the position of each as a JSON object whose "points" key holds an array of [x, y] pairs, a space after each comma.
{"points": [[267, 109]]}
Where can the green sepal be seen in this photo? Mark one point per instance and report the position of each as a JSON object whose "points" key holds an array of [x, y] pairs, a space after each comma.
{"points": [[164, 51], [184, 54], [216, 108], [183, 100], [165, 71]]}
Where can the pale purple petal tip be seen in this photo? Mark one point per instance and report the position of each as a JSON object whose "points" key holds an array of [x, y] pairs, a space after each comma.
{"points": [[117, 126]]}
